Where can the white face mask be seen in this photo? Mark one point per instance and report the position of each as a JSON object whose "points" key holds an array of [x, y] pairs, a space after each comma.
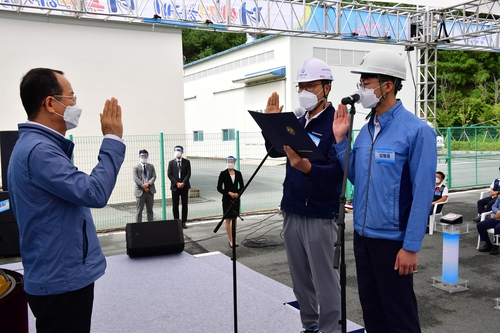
{"points": [[368, 98], [71, 115], [144, 160], [230, 165], [438, 180], [178, 154], [308, 100]]}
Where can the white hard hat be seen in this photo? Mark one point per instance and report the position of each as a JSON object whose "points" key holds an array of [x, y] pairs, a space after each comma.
{"points": [[384, 62], [314, 69]]}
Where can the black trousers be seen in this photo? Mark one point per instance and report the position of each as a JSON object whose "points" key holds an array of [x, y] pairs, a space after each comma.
{"points": [[63, 313], [485, 204], [387, 299], [183, 194]]}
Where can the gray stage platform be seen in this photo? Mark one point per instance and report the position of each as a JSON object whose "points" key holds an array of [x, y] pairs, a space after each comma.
{"points": [[185, 293]]}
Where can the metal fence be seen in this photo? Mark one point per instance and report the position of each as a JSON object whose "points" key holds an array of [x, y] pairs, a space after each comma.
{"points": [[207, 159], [470, 158]]}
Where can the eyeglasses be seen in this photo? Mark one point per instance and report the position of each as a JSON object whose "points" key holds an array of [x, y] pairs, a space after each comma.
{"points": [[307, 87], [73, 97], [361, 85]]}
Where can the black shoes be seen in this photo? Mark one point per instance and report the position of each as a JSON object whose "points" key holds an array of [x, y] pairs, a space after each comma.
{"points": [[492, 249], [487, 248], [235, 245], [477, 219], [184, 226]]}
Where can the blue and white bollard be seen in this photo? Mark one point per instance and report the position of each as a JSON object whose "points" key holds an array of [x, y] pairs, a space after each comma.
{"points": [[451, 243], [449, 280]]}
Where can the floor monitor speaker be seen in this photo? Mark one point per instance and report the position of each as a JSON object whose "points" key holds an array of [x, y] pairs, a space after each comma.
{"points": [[154, 238]]}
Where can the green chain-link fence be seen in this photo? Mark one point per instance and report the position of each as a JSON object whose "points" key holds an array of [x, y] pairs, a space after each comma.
{"points": [[470, 158]]}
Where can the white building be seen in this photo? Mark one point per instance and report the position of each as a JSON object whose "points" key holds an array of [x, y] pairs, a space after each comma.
{"points": [[140, 66], [220, 89]]}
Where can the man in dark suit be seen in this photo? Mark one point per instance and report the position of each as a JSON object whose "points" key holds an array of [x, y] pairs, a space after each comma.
{"points": [[179, 172], [144, 178]]}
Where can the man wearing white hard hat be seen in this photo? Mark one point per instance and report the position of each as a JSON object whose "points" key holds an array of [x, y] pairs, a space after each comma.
{"points": [[392, 167], [310, 204]]}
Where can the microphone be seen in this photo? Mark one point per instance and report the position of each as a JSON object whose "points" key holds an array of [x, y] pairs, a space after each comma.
{"points": [[354, 98]]}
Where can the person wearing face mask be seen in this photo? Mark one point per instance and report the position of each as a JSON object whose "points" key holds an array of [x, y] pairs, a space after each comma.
{"points": [[310, 203], [144, 175], [51, 200], [230, 184], [391, 166], [440, 192], [179, 173]]}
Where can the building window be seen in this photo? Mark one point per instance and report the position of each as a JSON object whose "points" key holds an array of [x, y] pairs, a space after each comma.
{"points": [[338, 57], [198, 136], [228, 134]]}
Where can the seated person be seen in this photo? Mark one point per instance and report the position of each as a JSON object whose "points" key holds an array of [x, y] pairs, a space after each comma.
{"points": [[484, 204], [440, 192], [483, 226]]}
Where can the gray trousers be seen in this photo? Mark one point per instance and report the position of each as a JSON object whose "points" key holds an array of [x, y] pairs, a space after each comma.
{"points": [[148, 199], [309, 244]]}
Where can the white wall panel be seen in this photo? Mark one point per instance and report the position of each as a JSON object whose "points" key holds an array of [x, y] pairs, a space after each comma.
{"points": [[140, 67]]}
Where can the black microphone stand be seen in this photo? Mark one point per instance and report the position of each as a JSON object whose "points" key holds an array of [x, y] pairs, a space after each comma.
{"points": [[339, 257], [233, 232]]}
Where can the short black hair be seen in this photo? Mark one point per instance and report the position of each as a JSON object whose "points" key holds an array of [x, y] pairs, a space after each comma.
{"points": [[143, 151], [35, 86], [441, 174]]}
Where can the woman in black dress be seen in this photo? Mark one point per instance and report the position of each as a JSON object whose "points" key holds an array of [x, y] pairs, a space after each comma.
{"points": [[230, 185]]}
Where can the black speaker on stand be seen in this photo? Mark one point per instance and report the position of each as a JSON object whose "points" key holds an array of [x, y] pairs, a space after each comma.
{"points": [[7, 142], [154, 238], [9, 231]]}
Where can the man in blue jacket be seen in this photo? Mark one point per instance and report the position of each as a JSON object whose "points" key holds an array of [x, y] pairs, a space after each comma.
{"points": [[310, 203], [392, 167], [50, 197]]}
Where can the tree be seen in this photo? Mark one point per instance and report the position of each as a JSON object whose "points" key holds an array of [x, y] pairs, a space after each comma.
{"points": [[199, 44], [469, 87]]}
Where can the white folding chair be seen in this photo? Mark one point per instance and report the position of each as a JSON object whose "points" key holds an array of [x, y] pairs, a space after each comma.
{"points": [[432, 217], [496, 238], [484, 194]]}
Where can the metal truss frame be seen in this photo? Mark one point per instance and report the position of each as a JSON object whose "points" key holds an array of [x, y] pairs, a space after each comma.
{"points": [[426, 86]]}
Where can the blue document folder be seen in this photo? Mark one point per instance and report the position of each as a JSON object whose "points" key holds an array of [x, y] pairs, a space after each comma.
{"points": [[285, 129]]}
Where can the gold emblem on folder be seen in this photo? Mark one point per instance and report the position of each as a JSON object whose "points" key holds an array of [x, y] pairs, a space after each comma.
{"points": [[290, 130]]}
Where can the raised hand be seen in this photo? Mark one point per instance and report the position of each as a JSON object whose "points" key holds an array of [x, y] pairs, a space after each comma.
{"points": [[341, 123], [111, 118], [273, 103]]}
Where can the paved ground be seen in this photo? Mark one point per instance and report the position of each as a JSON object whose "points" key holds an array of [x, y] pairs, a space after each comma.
{"points": [[261, 248]]}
